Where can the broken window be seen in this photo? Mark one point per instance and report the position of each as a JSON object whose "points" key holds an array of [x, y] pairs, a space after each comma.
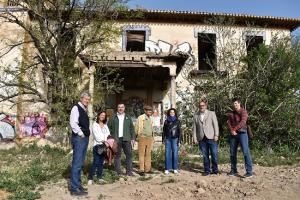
{"points": [[253, 42], [206, 51], [135, 40]]}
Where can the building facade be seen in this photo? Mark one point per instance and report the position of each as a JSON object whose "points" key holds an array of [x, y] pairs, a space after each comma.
{"points": [[157, 52]]}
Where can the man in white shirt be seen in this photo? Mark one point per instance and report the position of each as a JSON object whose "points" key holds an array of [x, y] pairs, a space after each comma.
{"points": [[206, 135], [79, 122], [122, 129]]}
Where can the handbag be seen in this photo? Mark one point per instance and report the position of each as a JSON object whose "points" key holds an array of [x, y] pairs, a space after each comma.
{"points": [[101, 149], [249, 131]]}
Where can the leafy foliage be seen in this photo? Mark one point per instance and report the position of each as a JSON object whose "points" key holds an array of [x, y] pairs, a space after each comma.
{"points": [[56, 35], [39, 165], [267, 83]]}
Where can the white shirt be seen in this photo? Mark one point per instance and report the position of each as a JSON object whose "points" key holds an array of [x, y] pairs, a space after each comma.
{"points": [[202, 116], [156, 121], [74, 119], [100, 134], [121, 123]]}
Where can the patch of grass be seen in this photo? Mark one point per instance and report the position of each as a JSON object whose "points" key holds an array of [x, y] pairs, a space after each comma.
{"points": [[261, 157], [110, 175], [145, 178], [23, 171], [158, 158], [100, 196], [27, 168], [270, 159]]}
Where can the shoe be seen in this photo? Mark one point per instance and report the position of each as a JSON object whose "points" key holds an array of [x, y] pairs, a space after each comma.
{"points": [[167, 172], [129, 174], [248, 175], [83, 189], [90, 182], [176, 171], [78, 192], [101, 180], [216, 173], [232, 173], [142, 173], [205, 174]]}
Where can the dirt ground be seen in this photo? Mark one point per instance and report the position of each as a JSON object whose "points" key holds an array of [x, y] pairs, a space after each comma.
{"points": [[267, 183]]}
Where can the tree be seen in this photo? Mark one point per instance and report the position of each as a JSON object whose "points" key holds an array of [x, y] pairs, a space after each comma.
{"points": [[56, 33], [266, 79]]}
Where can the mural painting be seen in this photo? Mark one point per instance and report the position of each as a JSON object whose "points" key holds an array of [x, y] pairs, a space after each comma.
{"points": [[7, 127], [135, 106], [31, 125], [34, 125]]}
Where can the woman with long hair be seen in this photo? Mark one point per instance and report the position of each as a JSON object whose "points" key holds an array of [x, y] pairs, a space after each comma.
{"points": [[101, 132], [171, 138]]}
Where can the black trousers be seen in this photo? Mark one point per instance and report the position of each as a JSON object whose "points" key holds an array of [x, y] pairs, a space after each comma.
{"points": [[126, 146]]}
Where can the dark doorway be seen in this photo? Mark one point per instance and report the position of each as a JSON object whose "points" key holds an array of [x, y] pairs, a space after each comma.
{"points": [[135, 41], [206, 51]]}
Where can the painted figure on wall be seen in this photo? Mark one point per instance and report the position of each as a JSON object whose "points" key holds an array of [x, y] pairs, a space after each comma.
{"points": [[34, 125], [135, 106]]}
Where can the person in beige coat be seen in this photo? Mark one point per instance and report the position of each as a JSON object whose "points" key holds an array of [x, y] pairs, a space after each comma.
{"points": [[206, 134], [144, 131]]}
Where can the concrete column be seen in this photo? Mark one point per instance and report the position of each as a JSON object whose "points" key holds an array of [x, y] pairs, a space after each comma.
{"points": [[91, 91], [173, 92], [91, 72]]}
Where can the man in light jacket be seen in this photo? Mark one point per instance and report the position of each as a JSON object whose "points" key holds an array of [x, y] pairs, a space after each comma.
{"points": [[144, 131], [206, 134]]}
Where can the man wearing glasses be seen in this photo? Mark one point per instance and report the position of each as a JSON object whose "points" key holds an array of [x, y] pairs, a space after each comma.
{"points": [[206, 134]]}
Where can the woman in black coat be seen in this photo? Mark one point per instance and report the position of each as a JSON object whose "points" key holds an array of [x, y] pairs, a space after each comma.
{"points": [[171, 138]]}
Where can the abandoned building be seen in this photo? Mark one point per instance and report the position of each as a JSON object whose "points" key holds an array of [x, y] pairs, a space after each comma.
{"points": [[153, 51]]}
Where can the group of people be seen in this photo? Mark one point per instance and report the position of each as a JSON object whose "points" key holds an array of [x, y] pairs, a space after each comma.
{"points": [[121, 129]]}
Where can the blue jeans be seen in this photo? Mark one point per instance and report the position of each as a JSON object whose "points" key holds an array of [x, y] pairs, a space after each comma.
{"points": [[207, 146], [98, 161], [171, 153], [79, 146], [234, 141]]}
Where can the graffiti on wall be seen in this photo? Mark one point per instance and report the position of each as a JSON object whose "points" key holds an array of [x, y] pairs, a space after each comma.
{"points": [[135, 106], [34, 125], [165, 47], [31, 125], [7, 127]]}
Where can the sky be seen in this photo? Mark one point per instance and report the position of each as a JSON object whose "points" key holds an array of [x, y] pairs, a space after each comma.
{"points": [[276, 8]]}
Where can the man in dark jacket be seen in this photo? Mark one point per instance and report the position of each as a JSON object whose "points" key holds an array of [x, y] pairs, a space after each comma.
{"points": [[237, 123], [79, 122], [122, 129]]}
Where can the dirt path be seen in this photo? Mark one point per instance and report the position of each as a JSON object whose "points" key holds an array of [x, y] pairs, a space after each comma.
{"points": [[268, 183]]}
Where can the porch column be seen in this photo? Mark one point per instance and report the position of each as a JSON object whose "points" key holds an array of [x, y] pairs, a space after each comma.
{"points": [[173, 92], [91, 91], [172, 68]]}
